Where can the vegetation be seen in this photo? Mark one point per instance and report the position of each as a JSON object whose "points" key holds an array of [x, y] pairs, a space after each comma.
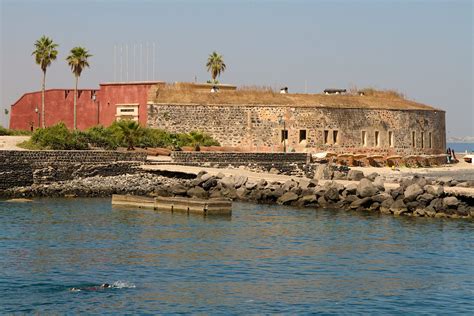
{"points": [[215, 65], [45, 52], [11, 132], [120, 134], [77, 60]]}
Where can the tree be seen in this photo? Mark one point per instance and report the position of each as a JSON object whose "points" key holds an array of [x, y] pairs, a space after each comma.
{"points": [[215, 65], [45, 52], [130, 132], [77, 59]]}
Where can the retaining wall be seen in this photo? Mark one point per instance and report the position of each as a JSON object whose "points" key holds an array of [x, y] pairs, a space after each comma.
{"points": [[23, 168]]}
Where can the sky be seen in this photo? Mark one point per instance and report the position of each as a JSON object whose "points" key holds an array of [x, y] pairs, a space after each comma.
{"points": [[423, 48]]}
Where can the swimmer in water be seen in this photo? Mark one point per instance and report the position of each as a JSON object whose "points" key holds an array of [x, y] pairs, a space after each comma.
{"points": [[92, 288]]}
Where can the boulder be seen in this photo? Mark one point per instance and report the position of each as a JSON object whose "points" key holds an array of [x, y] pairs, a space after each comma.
{"points": [[250, 185], [395, 193], [288, 185], [435, 190], [355, 175], [274, 171], [178, 189], [351, 198], [425, 198], [287, 198], [364, 202], [386, 205], [398, 207], [206, 177], [210, 183], [372, 176], [450, 201], [332, 194], [381, 197], [412, 192], [198, 192], [307, 199], [242, 193], [437, 205], [228, 182], [365, 188], [351, 188], [240, 181], [220, 175], [445, 180], [379, 183]]}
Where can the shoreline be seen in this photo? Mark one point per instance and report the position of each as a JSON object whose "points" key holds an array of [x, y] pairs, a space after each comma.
{"points": [[417, 196]]}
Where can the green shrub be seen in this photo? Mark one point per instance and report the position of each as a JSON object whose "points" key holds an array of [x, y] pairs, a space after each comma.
{"points": [[11, 132], [99, 136]]}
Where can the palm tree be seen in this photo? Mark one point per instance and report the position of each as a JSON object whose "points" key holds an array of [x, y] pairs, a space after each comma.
{"points": [[78, 61], [130, 132], [215, 64], [45, 52]]}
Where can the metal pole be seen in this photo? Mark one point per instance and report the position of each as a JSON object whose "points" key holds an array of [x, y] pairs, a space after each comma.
{"points": [[284, 136]]}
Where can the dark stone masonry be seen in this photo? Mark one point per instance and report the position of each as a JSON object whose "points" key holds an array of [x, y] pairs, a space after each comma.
{"points": [[23, 168]]}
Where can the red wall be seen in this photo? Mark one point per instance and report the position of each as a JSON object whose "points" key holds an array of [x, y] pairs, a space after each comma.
{"points": [[123, 93], [59, 104]]}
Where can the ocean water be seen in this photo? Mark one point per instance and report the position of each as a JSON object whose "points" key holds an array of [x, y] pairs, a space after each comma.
{"points": [[264, 259], [461, 147]]}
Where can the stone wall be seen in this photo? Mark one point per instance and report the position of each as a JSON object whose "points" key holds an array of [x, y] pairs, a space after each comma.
{"points": [[297, 164], [22, 168], [257, 127]]}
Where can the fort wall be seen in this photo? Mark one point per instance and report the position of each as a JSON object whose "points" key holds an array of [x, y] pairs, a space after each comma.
{"points": [[308, 128]]}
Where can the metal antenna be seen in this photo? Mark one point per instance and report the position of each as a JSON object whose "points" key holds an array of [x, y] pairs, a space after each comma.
{"points": [[153, 76], [126, 61], [121, 62], [115, 62]]}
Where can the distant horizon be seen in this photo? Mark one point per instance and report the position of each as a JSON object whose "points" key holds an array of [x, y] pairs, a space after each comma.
{"points": [[423, 49]]}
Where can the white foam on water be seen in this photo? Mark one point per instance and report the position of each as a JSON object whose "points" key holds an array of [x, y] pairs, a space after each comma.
{"points": [[123, 285]]}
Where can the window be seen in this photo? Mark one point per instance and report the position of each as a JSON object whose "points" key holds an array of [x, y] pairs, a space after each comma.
{"points": [[413, 139], [430, 140], [127, 110], [334, 137], [302, 135], [326, 137], [364, 138], [422, 140], [390, 139], [284, 135], [377, 139]]}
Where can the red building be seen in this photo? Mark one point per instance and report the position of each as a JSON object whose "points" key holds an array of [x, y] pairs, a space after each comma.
{"points": [[94, 106]]}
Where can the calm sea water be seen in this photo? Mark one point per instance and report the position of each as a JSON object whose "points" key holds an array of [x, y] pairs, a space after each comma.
{"points": [[264, 259], [461, 147]]}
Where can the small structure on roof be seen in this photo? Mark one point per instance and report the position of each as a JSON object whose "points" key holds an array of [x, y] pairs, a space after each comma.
{"points": [[284, 90], [334, 91]]}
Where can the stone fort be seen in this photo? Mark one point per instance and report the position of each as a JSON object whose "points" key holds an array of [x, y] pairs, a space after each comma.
{"points": [[254, 119]]}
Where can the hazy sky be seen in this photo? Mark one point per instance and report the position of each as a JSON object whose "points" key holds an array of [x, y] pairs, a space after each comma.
{"points": [[421, 48]]}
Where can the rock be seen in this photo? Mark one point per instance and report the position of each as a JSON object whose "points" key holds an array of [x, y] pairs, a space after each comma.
{"points": [[287, 198], [198, 192], [462, 185], [178, 189], [381, 197], [437, 205], [351, 198], [307, 199], [338, 175], [242, 193], [355, 175], [206, 177], [372, 176], [288, 185], [413, 205], [332, 194], [303, 184], [250, 185], [412, 192], [445, 180], [210, 183], [450, 202], [364, 202], [261, 183], [395, 193], [379, 183], [351, 188], [227, 182], [313, 183], [240, 181], [274, 171], [201, 173], [365, 188], [398, 207], [322, 201], [435, 190], [425, 198], [220, 175], [375, 206]]}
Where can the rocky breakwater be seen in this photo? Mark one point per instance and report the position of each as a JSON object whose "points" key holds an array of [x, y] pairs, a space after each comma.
{"points": [[412, 197]]}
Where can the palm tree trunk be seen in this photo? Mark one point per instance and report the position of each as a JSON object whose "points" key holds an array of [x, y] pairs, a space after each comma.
{"points": [[42, 99], [75, 104]]}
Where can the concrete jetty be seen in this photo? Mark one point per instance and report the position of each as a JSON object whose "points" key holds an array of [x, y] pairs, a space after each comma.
{"points": [[176, 204]]}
